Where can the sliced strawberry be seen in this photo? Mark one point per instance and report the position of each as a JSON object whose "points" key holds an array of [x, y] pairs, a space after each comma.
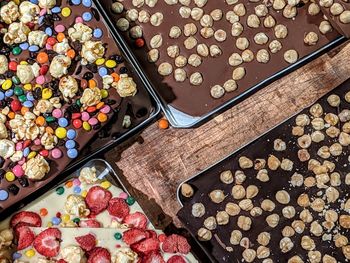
{"points": [[99, 255], [151, 233], [153, 257], [118, 207], [176, 243], [136, 219], [146, 246], [86, 242], [61, 261], [134, 235], [89, 223], [176, 259], [47, 243], [30, 218], [97, 199], [25, 236]]}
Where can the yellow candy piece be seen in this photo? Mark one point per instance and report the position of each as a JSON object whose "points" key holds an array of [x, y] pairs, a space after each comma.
{"points": [[23, 62], [86, 126], [10, 177], [17, 2], [104, 93], [31, 155], [84, 193], [111, 63], [61, 132], [7, 84], [49, 224], [66, 11], [105, 184], [65, 218], [100, 61], [46, 93], [27, 86], [30, 253]]}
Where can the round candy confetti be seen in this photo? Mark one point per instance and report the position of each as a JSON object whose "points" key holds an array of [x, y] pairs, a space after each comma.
{"points": [[61, 132], [66, 11], [130, 200], [57, 113], [10, 177], [59, 28], [18, 171], [71, 134], [102, 71], [76, 220], [87, 3], [72, 153], [123, 195], [65, 218], [87, 16], [76, 2], [3, 195], [70, 144], [118, 236], [30, 253], [16, 255], [43, 212], [106, 184], [63, 122], [56, 220], [56, 153], [60, 190], [98, 33], [77, 189], [76, 181]]}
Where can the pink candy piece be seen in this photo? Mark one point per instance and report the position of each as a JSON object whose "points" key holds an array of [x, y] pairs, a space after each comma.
{"points": [[56, 153], [105, 109], [59, 28], [43, 12], [19, 146], [123, 195], [40, 80], [37, 141], [76, 182], [93, 121], [85, 116], [79, 19], [57, 113], [48, 47], [18, 171]]}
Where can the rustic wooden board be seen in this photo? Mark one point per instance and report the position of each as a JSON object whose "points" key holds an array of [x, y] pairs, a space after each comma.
{"points": [[159, 160]]}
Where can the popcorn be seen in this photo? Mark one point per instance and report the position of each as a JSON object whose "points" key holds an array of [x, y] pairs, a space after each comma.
{"points": [[61, 47], [7, 148], [37, 38], [75, 205], [125, 86], [36, 168], [73, 254], [3, 131], [68, 87], [43, 106], [124, 255], [56, 103], [80, 32], [17, 156], [25, 127], [47, 3], [49, 141], [17, 33], [29, 12], [88, 175], [3, 118], [91, 51], [107, 81], [59, 66], [91, 97], [9, 13], [4, 65], [6, 238], [26, 73], [117, 225]]}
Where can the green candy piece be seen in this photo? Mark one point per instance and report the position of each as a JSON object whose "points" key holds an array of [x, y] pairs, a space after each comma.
{"points": [[16, 51], [18, 91], [76, 220], [22, 98], [16, 80], [60, 190], [78, 103], [118, 236], [50, 119], [130, 200]]}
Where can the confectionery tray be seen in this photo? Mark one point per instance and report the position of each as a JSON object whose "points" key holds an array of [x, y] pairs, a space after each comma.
{"points": [[264, 147], [186, 105]]}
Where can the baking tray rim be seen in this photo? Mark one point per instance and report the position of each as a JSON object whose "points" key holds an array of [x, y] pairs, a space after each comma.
{"points": [[197, 121]]}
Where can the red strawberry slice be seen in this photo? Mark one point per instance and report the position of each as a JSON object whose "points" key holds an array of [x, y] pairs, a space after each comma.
{"points": [[61, 261], [118, 207], [134, 235], [99, 255], [176, 259], [86, 242], [151, 233], [97, 199], [175, 243], [47, 243], [153, 257], [136, 219], [25, 236], [89, 223], [30, 218], [146, 246]]}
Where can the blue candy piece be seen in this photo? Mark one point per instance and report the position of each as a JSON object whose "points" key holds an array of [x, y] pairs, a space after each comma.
{"points": [[56, 10], [56, 221], [98, 33], [41, 20], [33, 48], [34, 1], [30, 96], [48, 31], [3, 195], [2, 95], [70, 144], [9, 93], [16, 255], [63, 122], [87, 3], [87, 16], [76, 2], [71, 134], [26, 151], [72, 153], [24, 46], [28, 104], [102, 71], [77, 189]]}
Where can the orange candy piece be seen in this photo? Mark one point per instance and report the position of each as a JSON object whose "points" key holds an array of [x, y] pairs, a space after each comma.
{"points": [[115, 77], [100, 105], [49, 130], [40, 121], [43, 212], [92, 84], [71, 53], [42, 58], [69, 184], [11, 115], [60, 37], [102, 117], [163, 124], [24, 110]]}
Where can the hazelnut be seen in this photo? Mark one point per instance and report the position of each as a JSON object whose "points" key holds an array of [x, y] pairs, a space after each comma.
{"points": [[304, 141], [269, 21], [332, 194], [313, 9], [326, 3], [262, 56], [156, 41], [239, 9], [246, 204], [333, 100], [194, 60], [306, 216], [295, 259], [309, 182], [297, 131], [317, 124], [298, 226], [311, 39], [222, 218], [278, 4], [180, 75], [296, 180], [238, 192], [235, 59], [244, 223], [217, 196], [259, 164], [264, 238], [174, 32], [281, 31], [197, 13], [261, 38], [286, 244], [282, 197], [153, 55], [249, 255], [275, 46], [230, 85], [232, 209], [268, 205], [236, 29], [346, 251], [325, 27], [190, 29], [289, 11], [232, 17], [273, 163], [256, 211], [261, 10], [317, 205], [156, 19], [198, 210], [344, 221], [344, 115], [291, 56], [180, 61], [215, 51], [210, 223], [226, 177], [262, 252], [317, 136], [220, 35], [187, 190], [303, 154], [165, 69], [263, 176], [238, 73], [340, 240], [286, 164], [196, 79], [252, 191], [253, 21], [303, 200], [236, 237], [216, 14], [345, 17], [307, 243], [173, 51], [302, 120], [204, 234], [273, 220], [203, 50], [239, 177], [335, 179], [247, 55], [316, 229], [242, 43], [288, 212], [190, 42], [288, 231], [316, 110]]}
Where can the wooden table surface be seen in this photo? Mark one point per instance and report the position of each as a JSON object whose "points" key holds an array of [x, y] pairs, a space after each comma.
{"points": [[157, 161]]}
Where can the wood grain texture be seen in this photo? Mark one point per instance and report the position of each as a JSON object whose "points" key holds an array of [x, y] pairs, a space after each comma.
{"points": [[159, 160]]}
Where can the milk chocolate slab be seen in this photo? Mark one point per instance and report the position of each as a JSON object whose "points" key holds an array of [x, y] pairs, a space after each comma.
{"points": [[196, 101], [263, 147]]}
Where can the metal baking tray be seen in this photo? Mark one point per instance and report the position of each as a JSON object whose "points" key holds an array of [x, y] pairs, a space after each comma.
{"points": [[180, 119], [260, 144]]}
